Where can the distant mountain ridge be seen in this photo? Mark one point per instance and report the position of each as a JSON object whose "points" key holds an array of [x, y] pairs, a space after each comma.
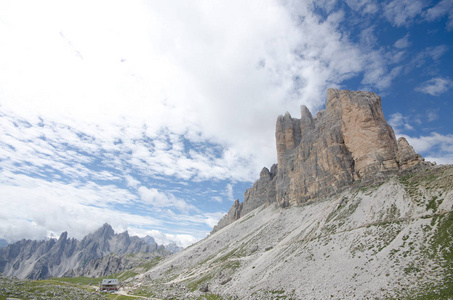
{"points": [[70, 257]]}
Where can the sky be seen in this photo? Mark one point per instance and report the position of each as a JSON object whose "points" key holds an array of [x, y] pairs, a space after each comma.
{"points": [[154, 116]]}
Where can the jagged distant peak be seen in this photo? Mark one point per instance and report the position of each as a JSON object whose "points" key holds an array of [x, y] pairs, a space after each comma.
{"points": [[63, 235], [70, 257], [149, 239]]}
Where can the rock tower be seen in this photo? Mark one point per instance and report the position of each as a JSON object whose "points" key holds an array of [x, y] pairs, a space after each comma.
{"points": [[349, 142]]}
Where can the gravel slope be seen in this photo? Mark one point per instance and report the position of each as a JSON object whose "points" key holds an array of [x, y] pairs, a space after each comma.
{"points": [[392, 240]]}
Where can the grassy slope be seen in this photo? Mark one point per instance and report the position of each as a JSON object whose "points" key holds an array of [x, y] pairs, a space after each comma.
{"points": [[69, 288]]}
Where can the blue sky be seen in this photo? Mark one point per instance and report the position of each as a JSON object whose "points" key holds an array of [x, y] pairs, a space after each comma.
{"points": [[154, 116]]}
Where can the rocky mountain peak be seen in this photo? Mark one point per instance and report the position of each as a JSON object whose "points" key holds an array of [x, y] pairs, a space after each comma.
{"points": [[70, 257], [63, 236], [265, 173], [348, 143], [102, 234]]}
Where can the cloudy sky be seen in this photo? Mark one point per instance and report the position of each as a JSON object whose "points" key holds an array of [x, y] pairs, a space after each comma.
{"points": [[154, 116]]}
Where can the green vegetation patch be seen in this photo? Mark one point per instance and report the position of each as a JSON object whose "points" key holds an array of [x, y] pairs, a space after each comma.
{"points": [[433, 204], [79, 280], [441, 250], [431, 178], [45, 289], [368, 189], [194, 285], [273, 294], [210, 297], [151, 264]]}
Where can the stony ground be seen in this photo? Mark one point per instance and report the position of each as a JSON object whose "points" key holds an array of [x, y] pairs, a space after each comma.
{"points": [[44, 289], [392, 241]]}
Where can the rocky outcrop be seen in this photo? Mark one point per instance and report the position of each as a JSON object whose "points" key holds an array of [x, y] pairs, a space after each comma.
{"points": [[233, 214], [406, 155], [173, 248], [349, 142], [263, 191], [65, 256]]}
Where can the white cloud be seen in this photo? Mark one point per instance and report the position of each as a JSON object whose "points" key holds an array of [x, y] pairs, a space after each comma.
{"points": [[364, 6], [229, 192], [435, 147], [400, 122], [217, 199], [126, 80], [432, 114], [402, 12], [121, 72], [368, 38], [402, 42], [378, 74], [435, 86], [37, 209], [443, 160], [131, 181], [436, 52], [162, 238], [442, 8], [212, 219], [32, 207], [431, 53], [439, 147], [155, 198]]}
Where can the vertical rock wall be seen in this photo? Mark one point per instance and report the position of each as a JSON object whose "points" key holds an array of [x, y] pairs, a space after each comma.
{"points": [[347, 142]]}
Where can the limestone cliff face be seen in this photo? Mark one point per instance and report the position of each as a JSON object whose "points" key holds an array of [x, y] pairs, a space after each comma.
{"points": [[349, 142]]}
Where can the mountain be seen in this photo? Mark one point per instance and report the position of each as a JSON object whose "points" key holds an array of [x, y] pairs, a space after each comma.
{"points": [[3, 243], [70, 257], [349, 212], [173, 248], [114, 263], [348, 143]]}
